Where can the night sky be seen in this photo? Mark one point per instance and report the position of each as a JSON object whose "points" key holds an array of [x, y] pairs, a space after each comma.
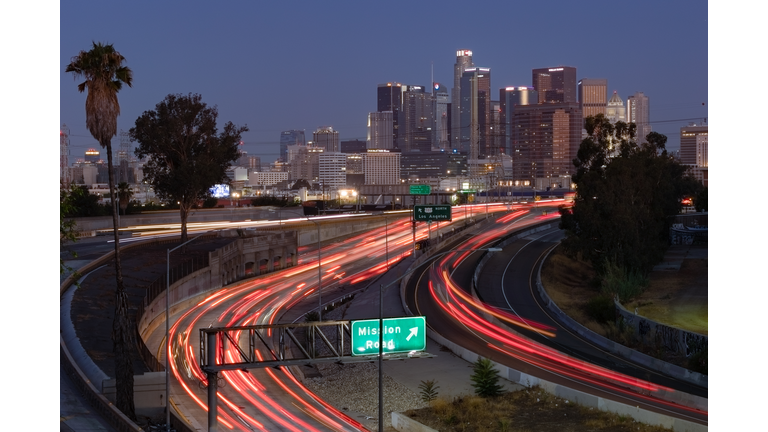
{"points": [[300, 65]]}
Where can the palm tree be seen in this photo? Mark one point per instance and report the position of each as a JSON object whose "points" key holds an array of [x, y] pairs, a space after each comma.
{"points": [[124, 195], [104, 74]]}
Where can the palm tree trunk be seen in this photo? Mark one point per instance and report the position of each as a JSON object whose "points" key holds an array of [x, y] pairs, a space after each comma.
{"points": [[121, 327]]}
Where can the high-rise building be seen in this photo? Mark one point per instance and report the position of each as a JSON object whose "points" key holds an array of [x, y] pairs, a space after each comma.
{"points": [[693, 145], [353, 146], [441, 102], [639, 113], [416, 124], [288, 138], [92, 156], [326, 138], [390, 98], [475, 118], [332, 170], [380, 134], [555, 84], [615, 110], [545, 140], [593, 96], [509, 98], [381, 167], [463, 62]]}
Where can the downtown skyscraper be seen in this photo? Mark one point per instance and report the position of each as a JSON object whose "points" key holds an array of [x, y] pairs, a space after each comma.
{"points": [[475, 113], [593, 96], [639, 113], [555, 84], [463, 62]]}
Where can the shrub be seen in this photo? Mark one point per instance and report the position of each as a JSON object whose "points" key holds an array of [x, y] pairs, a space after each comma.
{"points": [[621, 281], [698, 362], [485, 378], [428, 390], [210, 202], [601, 308]]}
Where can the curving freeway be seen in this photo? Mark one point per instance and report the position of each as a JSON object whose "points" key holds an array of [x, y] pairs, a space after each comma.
{"points": [[273, 399], [512, 328]]}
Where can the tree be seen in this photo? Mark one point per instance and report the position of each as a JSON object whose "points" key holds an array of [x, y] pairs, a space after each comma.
{"points": [[485, 379], [625, 192], [104, 73], [186, 154], [124, 195], [67, 228]]}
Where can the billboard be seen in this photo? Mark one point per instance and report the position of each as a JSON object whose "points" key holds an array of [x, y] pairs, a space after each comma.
{"points": [[220, 191]]}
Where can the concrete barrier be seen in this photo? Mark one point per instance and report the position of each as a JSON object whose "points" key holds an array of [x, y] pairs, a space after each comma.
{"points": [[403, 423], [634, 356]]}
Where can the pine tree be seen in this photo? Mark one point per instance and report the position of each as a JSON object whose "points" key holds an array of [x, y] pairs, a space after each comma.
{"points": [[485, 378]]}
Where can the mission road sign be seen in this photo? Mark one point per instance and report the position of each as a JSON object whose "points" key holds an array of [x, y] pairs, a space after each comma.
{"points": [[400, 335], [431, 213]]}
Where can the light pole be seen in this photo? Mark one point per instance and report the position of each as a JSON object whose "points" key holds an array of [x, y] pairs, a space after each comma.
{"points": [[168, 331], [319, 268], [383, 288]]}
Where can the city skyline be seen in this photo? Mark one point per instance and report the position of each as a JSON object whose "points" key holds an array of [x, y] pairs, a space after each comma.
{"points": [[306, 79]]}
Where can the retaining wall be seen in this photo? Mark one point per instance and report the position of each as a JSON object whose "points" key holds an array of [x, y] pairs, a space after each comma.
{"points": [[651, 332]]}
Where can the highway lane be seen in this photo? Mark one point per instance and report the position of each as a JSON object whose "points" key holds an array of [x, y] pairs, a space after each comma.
{"points": [[270, 399], [449, 319], [509, 282]]}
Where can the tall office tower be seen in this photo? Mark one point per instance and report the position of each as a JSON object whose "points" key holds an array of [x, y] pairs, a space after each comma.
{"points": [[333, 170], [693, 145], [300, 164], [290, 137], [314, 160], [242, 160], [475, 118], [380, 134], [615, 110], [65, 176], [353, 146], [326, 138], [440, 102], [556, 84], [463, 62], [639, 113], [509, 98], [593, 96], [390, 98], [92, 156], [545, 139], [416, 125], [254, 163], [496, 139], [381, 167], [355, 163]]}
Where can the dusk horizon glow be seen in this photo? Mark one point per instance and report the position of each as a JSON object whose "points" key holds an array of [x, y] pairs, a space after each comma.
{"points": [[276, 67]]}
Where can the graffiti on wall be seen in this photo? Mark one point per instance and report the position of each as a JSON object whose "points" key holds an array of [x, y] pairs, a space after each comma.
{"points": [[670, 338]]}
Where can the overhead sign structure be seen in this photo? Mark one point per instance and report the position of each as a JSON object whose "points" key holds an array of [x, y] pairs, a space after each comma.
{"points": [[401, 335], [431, 212], [420, 189]]}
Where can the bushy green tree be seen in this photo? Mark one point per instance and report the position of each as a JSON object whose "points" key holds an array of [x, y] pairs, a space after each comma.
{"points": [[485, 379], [625, 191], [186, 154]]}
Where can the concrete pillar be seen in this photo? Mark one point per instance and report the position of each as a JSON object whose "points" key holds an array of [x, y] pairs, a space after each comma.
{"points": [[282, 257], [271, 262]]}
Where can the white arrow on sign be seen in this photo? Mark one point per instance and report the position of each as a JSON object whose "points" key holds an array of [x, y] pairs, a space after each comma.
{"points": [[413, 333]]}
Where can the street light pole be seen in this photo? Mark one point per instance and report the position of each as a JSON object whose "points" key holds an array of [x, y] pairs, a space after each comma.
{"points": [[168, 331]]}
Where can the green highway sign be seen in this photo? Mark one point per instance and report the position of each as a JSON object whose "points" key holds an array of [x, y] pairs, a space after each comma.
{"points": [[440, 212], [400, 335], [420, 189]]}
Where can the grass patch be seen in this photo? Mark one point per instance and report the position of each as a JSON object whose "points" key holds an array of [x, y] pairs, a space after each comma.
{"points": [[530, 409]]}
